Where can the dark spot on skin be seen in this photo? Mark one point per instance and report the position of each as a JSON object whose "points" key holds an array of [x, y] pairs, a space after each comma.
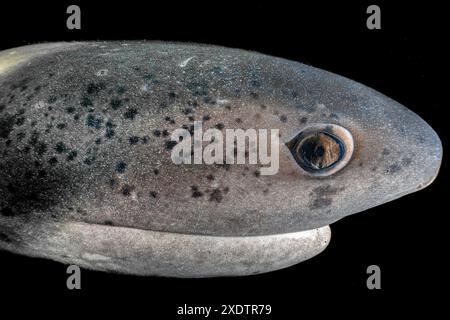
{"points": [[406, 161], [60, 147], [40, 148], [195, 192], [393, 168], [133, 140], [216, 195], [89, 160], [206, 117], [156, 172], [7, 212], [53, 161], [34, 137], [210, 177], [108, 223], [112, 183], [72, 155], [2, 107], [238, 120], [220, 126], [49, 128], [86, 102], [170, 120], [193, 103], [170, 144], [130, 114], [226, 189], [257, 173], [61, 126], [172, 95], [385, 152], [187, 111], [127, 189], [109, 133], [20, 136], [116, 103], [334, 116], [145, 139], [98, 141], [209, 100], [165, 133], [20, 121], [321, 197], [95, 88], [52, 99], [121, 166], [283, 118], [153, 194], [93, 122], [70, 109], [121, 90], [76, 117], [255, 83], [303, 120], [157, 132], [4, 238], [6, 126], [191, 118], [110, 129], [254, 95], [198, 88]]}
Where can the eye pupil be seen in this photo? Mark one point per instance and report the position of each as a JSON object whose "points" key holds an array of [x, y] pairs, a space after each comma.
{"points": [[319, 151], [322, 149]]}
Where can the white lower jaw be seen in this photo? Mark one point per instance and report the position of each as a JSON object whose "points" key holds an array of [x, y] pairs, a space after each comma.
{"points": [[143, 252]]}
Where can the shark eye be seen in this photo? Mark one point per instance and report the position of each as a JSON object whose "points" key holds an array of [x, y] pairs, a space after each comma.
{"points": [[322, 149]]}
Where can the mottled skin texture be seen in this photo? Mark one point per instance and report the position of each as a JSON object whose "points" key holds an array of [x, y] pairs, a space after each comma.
{"points": [[85, 138]]}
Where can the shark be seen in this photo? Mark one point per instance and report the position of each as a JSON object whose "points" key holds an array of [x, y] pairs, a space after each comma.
{"points": [[88, 177]]}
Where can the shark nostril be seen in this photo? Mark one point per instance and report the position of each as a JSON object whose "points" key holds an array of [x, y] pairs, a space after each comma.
{"points": [[322, 149]]}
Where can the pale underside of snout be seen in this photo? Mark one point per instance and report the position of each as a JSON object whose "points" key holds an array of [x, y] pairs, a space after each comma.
{"points": [[150, 253]]}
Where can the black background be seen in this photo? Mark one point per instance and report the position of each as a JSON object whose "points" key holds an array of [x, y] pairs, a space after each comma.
{"points": [[406, 60]]}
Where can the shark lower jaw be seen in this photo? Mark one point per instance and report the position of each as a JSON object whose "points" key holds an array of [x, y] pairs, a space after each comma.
{"points": [[153, 253]]}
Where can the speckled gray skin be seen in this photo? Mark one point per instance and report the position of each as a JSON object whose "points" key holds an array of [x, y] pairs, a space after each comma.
{"points": [[85, 130]]}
